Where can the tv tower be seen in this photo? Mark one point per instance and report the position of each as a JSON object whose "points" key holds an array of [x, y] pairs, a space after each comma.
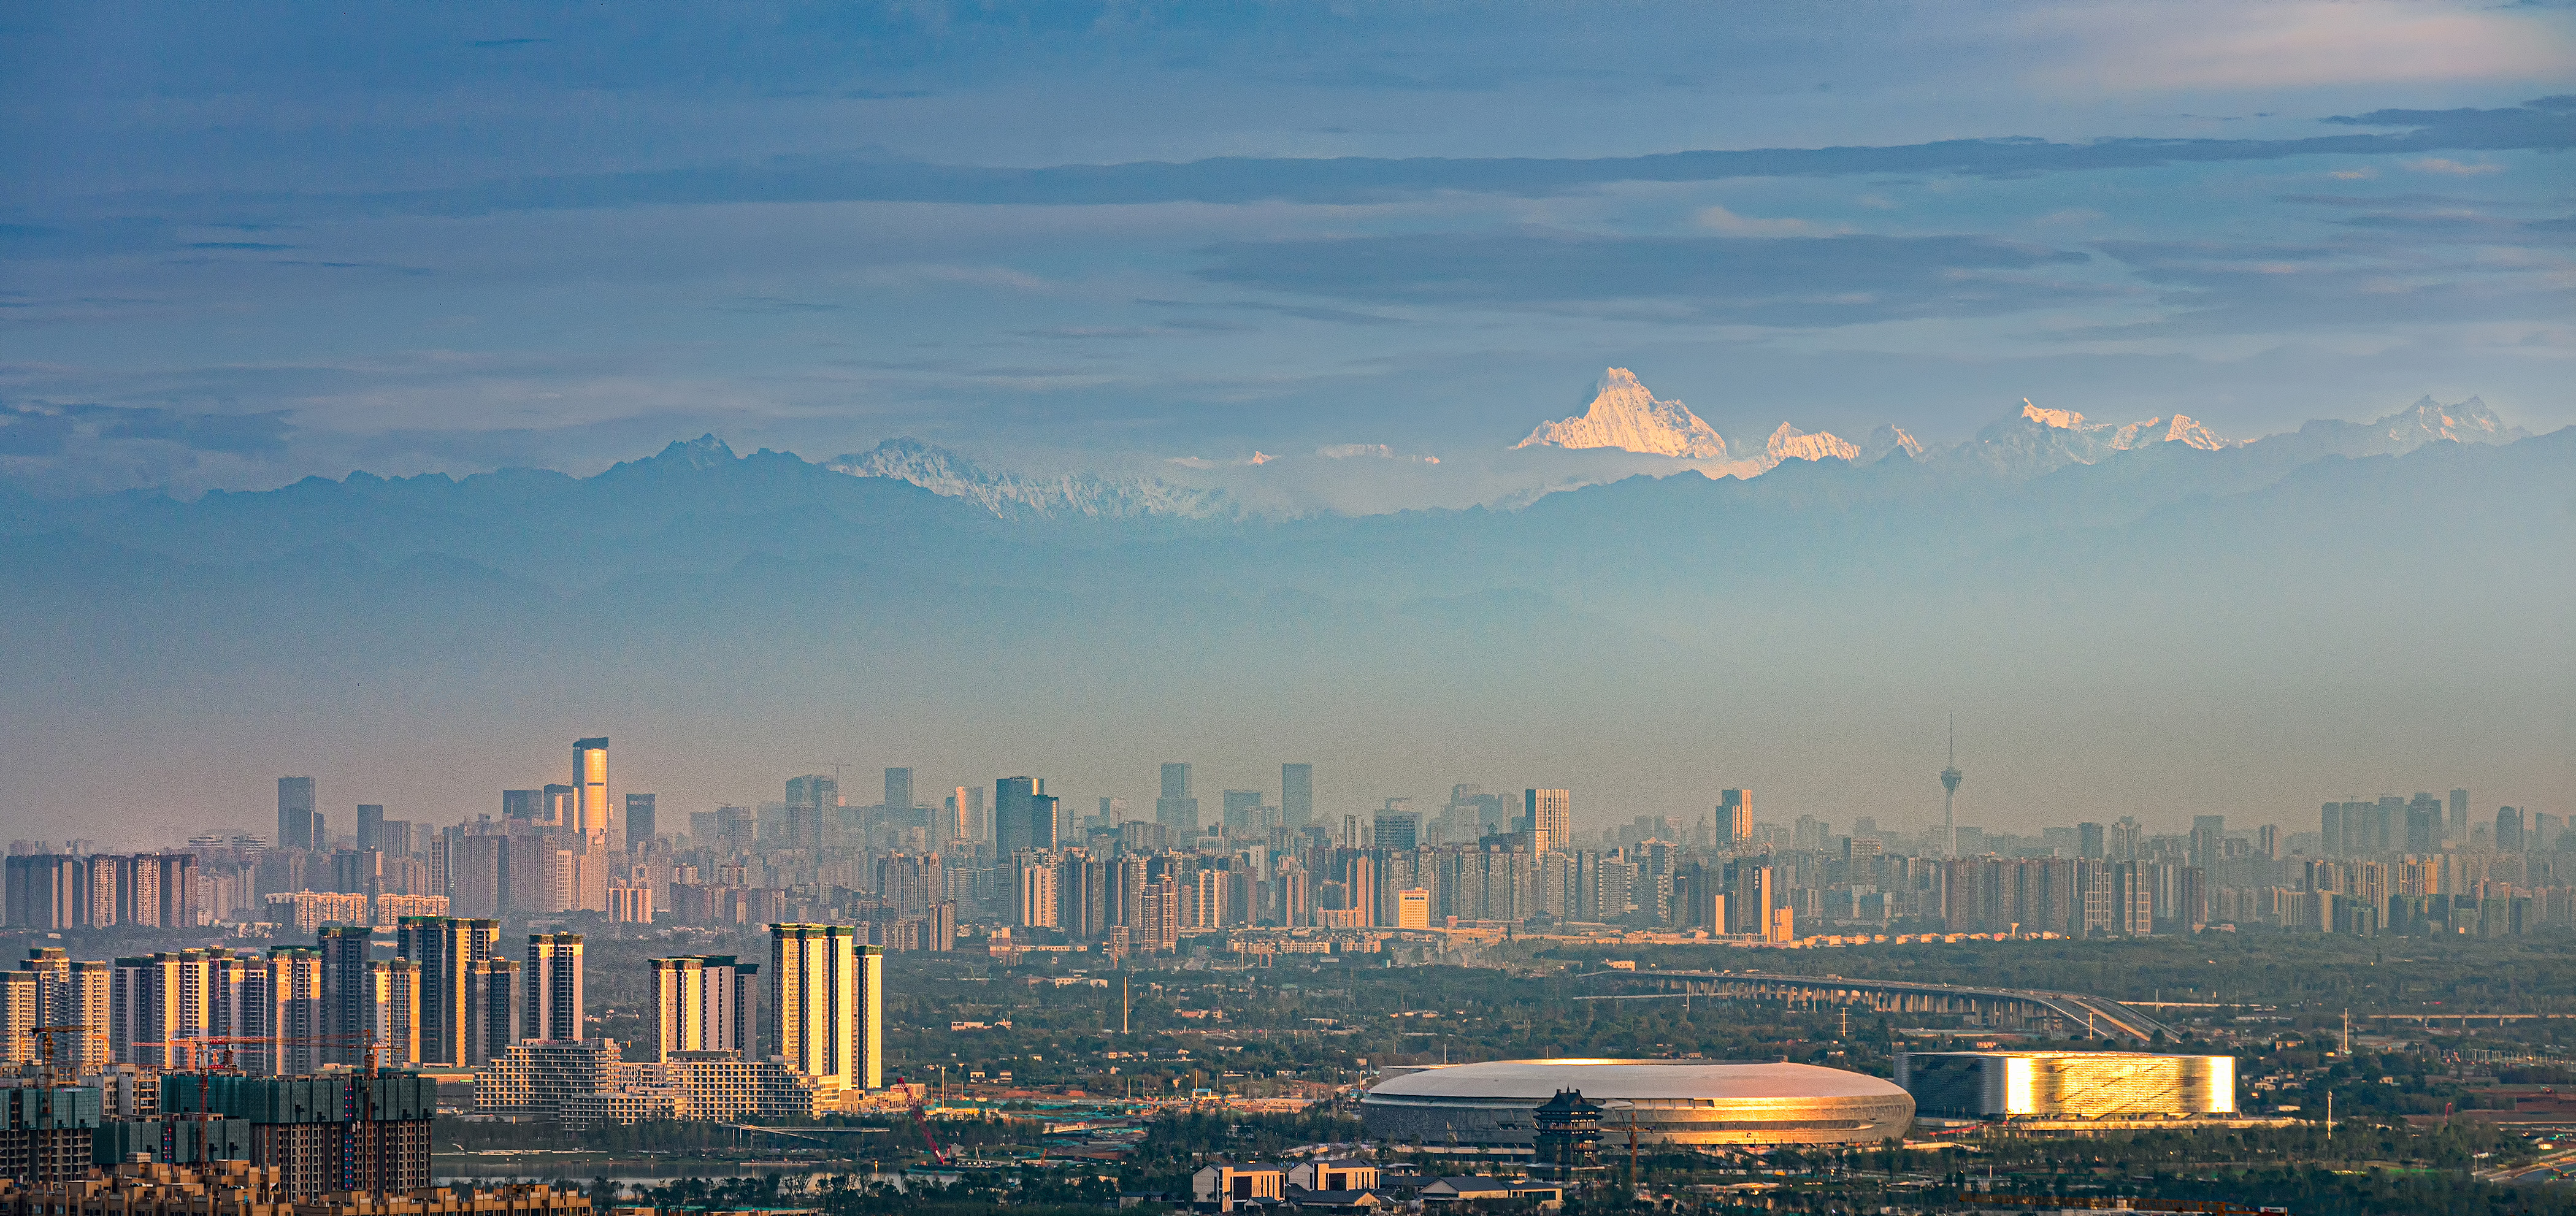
{"points": [[1950, 795]]}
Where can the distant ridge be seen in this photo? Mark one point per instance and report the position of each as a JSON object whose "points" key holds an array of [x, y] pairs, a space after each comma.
{"points": [[1011, 496]]}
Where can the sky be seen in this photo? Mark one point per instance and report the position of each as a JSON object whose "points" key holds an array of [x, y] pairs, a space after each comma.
{"points": [[252, 243]]}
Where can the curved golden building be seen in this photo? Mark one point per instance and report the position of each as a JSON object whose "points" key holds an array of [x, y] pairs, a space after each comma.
{"points": [[1669, 1101]]}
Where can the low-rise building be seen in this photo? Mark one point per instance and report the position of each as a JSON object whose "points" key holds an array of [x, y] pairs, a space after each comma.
{"points": [[1227, 1184], [239, 1188]]}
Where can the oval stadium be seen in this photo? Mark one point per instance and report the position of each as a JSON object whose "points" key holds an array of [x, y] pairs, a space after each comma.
{"points": [[1671, 1102]]}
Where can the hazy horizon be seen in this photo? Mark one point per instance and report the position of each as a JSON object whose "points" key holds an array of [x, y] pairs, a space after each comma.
{"points": [[1217, 328]]}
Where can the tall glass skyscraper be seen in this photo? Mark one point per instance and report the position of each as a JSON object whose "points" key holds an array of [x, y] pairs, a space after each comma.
{"points": [[590, 786], [1296, 794]]}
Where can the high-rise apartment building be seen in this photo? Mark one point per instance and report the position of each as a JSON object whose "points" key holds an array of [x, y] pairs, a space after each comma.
{"points": [[492, 1009], [1550, 814], [1176, 810], [898, 791], [298, 824], [641, 827], [345, 995], [1297, 794], [448, 948], [827, 1004], [591, 812], [702, 1003], [1735, 811], [389, 1011], [553, 981]]}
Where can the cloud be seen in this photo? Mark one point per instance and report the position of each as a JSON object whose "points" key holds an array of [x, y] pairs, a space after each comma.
{"points": [[2222, 44], [1786, 281], [1720, 219], [850, 177], [2445, 165], [43, 429]]}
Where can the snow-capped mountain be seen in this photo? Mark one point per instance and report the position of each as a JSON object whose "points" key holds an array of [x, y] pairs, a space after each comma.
{"points": [[1012, 496], [1790, 443], [1886, 441], [1625, 416]]}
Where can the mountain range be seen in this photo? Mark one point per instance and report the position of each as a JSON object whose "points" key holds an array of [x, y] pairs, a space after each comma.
{"points": [[2051, 579]]}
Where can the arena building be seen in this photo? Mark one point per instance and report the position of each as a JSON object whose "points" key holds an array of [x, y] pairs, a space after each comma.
{"points": [[2068, 1084], [1669, 1101]]}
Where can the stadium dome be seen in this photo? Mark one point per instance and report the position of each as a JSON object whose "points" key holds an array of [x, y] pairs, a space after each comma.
{"points": [[1671, 1102]]}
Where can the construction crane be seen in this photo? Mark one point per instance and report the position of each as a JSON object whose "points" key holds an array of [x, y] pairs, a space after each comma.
{"points": [[921, 1122]]}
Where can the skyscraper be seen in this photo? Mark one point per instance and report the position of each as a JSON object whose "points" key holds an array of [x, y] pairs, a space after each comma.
{"points": [[1241, 808], [1297, 794], [702, 1003], [827, 1003], [371, 821], [2089, 841], [898, 791], [640, 825], [295, 814], [811, 800], [1176, 810], [1023, 815], [2508, 829], [2460, 816], [590, 786], [1735, 810], [553, 982], [447, 949], [1551, 819], [344, 993], [491, 1009]]}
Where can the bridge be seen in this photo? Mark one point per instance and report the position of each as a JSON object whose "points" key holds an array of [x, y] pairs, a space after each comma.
{"points": [[2061, 1014]]}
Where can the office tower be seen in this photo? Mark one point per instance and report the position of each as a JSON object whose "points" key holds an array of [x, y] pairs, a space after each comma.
{"points": [[344, 992], [2330, 829], [2424, 824], [2508, 829], [1396, 828], [2089, 843], [702, 1003], [2459, 814], [447, 949], [1176, 810], [561, 810], [1296, 795], [1024, 815], [1550, 814], [1735, 810], [390, 1012], [641, 829], [492, 1009], [553, 981], [2267, 842], [898, 791], [1750, 898], [827, 1004], [371, 816], [591, 811], [811, 801], [737, 829], [1242, 808], [296, 818], [523, 804]]}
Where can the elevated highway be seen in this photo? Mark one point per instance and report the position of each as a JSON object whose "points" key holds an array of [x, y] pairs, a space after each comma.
{"points": [[2062, 1014]]}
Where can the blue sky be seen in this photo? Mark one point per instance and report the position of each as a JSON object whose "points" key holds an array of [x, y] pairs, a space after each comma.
{"points": [[247, 244]]}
